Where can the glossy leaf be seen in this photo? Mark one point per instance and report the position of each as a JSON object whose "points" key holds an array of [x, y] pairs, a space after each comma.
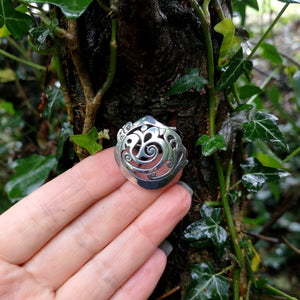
{"points": [[209, 145], [88, 141], [31, 172], [16, 22], [207, 227], [55, 98], [257, 175], [190, 81], [249, 90], [72, 9], [268, 161], [290, 1], [270, 53], [237, 67], [38, 36], [296, 80], [206, 284], [4, 31], [264, 127], [65, 149], [65, 133], [230, 44]]}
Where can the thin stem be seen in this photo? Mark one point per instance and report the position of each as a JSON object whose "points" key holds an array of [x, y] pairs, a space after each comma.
{"points": [[231, 228], [18, 47], [92, 107], [213, 203], [205, 7], [248, 290], [103, 5], [294, 153], [228, 173], [268, 30], [236, 284], [210, 66], [224, 270], [278, 292], [235, 185], [219, 10], [22, 61]]}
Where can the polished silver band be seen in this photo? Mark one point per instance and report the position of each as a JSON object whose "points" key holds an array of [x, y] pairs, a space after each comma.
{"points": [[149, 153]]}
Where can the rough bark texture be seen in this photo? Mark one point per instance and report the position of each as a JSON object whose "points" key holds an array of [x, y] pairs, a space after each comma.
{"points": [[158, 41]]}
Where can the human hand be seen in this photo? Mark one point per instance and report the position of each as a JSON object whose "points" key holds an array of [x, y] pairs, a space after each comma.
{"points": [[88, 234]]}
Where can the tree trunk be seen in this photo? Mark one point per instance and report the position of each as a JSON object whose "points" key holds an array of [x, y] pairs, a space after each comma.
{"points": [[157, 42]]}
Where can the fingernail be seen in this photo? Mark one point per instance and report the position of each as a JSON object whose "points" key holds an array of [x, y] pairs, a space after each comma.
{"points": [[166, 247], [186, 186]]}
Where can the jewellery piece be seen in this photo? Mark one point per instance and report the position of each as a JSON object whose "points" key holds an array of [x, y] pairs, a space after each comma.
{"points": [[149, 153]]}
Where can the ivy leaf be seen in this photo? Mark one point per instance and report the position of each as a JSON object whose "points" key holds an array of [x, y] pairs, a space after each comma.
{"points": [[269, 161], [209, 145], [190, 81], [237, 67], [230, 44], [31, 172], [296, 81], [264, 127], [88, 141], [55, 98], [207, 227], [15, 21], [206, 284], [249, 90], [65, 148], [290, 1], [257, 175], [72, 9], [269, 52], [65, 132]]}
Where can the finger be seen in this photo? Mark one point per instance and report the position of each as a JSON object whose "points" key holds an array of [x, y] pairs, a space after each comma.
{"points": [[108, 270], [89, 233], [37, 218], [142, 283]]}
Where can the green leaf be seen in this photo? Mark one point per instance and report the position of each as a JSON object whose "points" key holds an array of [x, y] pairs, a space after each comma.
{"points": [[190, 81], [207, 227], [296, 81], [65, 132], [237, 67], [209, 145], [55, 98], [8, 107], [257, 175], [231, 42], [72, 9], [65, 149], [269, 161], [206, 284], [31, 172], [264, 127], [290, 1], [16, 22], [249, 90], [38, 36], [88, 141], [270, 53]]}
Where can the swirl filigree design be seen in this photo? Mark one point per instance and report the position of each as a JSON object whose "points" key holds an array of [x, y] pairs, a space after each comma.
{"points": [[149, 153]]}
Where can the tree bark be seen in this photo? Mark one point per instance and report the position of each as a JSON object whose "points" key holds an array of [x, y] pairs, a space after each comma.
{"points": [[158, 42]]}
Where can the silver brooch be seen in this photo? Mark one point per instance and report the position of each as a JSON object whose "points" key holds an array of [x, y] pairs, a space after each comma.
{"points": [[149, 153]]}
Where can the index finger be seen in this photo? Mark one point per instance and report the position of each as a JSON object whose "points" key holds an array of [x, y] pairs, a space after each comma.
{"points": [[33, 221]]}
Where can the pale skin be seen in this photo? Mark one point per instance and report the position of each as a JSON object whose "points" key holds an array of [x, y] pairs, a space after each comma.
{"points": [[88, 234]]}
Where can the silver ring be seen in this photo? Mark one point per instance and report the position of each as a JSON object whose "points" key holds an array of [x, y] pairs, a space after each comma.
{"points": [[149, 153]]}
